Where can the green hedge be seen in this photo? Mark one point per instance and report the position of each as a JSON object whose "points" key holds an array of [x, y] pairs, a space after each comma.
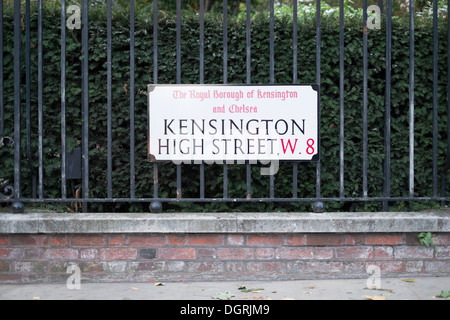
{"points": [[236, 74]]}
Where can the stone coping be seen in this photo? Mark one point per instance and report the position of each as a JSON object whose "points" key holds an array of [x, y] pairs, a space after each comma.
{"points": [[90, 223]]}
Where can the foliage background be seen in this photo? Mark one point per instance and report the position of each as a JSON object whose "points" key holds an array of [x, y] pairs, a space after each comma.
{"points": [[236, 74]]}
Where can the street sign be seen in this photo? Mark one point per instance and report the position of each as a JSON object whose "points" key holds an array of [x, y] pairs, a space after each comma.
{"points": [[227, 123]]}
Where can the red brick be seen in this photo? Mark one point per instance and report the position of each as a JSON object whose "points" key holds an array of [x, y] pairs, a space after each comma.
{"points": [[10, 278], [88, 241], [266, 267], [176, 253], [205, 266], [265, 240], [176, 240], [235, 239], [265, 253], [58, 241], [116, 241], [175, 265], [145, 240], [62, 253], [236, 267], [29, 266], [442, 239], [388, 266], [4, 266], [118, 253], [443, 253], [413, 252], [294, 266], [381, 239], [203, 253], [206, 240], [29, 240], [324, 240], [384, 252], [10, 253], [354, 252], [323, 253], [354, 239], [412, 239], [91, 267], [295, 253], [437, 266], [354, 267], [148, 266], [32, 253], [235, 253], [413, 266], [4, 241], [89, 254], [325, 266], [295, 240]]}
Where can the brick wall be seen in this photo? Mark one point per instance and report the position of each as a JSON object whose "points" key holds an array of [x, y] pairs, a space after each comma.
{"points": [[28, 258]]}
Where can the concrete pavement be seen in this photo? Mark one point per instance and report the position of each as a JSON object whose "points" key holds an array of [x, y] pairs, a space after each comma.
{"points": [[418, 288]]}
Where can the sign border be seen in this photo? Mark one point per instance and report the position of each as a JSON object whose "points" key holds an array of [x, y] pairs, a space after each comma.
{"points": [[314, 86]]}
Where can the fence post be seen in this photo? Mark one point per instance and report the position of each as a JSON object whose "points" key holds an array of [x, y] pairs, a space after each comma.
{"points": [[17, 206], [85, 102]]}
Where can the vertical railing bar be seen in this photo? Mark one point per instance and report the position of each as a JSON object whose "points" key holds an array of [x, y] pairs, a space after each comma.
{"points": [[365, 100], [448, 95], [295, 42], [2, 106], [248, 52], [202, 81], [248, 180], [225, 181], [202, 181], [272, 79], [411, 97], [387, 121], [225, 41], [132, 92], [155, 41], [248, 41], [202, 41], [435, 95], [17, 109], [225, 80], [109, 93], [295, 180], [272, 45], [318, 80], [40, 105], [155, 81], [179, 191], [380, 5], [294, 80], [28, 96], [85, 101], [178, 40], [155, 180], [341, 99], [63, 101]]}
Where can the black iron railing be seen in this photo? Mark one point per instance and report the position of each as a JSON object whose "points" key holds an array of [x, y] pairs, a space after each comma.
{"points": [[12, 193]]}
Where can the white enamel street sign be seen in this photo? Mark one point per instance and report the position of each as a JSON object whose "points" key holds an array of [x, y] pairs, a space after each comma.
{"points": [[218, 123]]}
